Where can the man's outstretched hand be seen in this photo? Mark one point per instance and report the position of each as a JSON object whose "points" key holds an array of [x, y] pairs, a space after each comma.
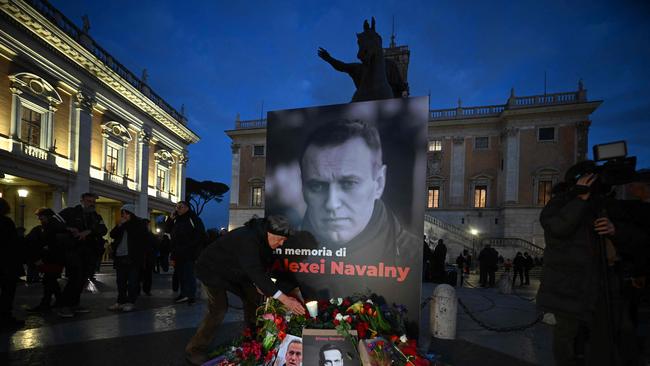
{"points": [[322, 53], [292, 304]]}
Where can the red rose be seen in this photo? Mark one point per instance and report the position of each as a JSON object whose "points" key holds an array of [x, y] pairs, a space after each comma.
{"points": [[394, 338], [282, 335]]}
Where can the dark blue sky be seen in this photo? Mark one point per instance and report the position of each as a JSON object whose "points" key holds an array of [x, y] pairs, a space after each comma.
{"points": [[220, 58]]}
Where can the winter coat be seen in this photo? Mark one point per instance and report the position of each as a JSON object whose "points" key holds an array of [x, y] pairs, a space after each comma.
{"points": [[187, 236], [137, 239], [519, 262], [10, 258], [240, 257], [75, 217], [573, 273]]}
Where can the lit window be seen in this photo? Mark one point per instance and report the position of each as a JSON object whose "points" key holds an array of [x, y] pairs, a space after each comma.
{"points": [[433, 197], [481, 142], [480, 196], [112, 159], [435, 145], [30, 126], [546, 134], [544, 192], [257, 197], [161, 179], [258, 150]]}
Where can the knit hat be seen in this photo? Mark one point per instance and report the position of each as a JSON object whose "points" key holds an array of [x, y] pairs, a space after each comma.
{"points": [[129, 207]]}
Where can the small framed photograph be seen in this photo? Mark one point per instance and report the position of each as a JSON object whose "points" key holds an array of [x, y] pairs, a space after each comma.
{"points": [[325, 347], [290, 352]]}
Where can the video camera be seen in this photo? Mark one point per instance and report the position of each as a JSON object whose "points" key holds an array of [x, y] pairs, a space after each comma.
{"points": [[617, 168]]}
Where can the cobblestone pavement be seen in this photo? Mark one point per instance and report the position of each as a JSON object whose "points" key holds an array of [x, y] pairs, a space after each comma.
{"points": [[156, 333]]}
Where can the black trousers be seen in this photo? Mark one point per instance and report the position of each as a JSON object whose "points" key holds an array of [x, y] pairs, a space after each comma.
{"points": [[71, 294], [146, 275], [51, 287], [128, 280], [7, 294], [526, 276], [520, 272]]}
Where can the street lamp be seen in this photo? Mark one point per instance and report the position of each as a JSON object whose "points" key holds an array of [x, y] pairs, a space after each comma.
{"points": [[22, 193]]}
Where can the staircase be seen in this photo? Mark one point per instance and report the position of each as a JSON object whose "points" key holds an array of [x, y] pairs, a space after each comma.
{"points": [[513, 244]]}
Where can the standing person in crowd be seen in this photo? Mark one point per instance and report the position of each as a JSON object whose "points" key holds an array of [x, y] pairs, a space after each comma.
{"points": [[164, 246], [87, 227], [507, 265], [187, 240], [439, 262], [130, 238], [519, 264], [468, 261], [47, 243], [150, 246], [239, 263], [460, 263], [528, 265], [427, 255], [9, 263], [488, 258]]}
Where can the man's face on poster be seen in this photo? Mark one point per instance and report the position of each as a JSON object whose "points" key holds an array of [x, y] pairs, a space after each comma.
{"points": [[294, 354], [340, 186], [332, 357]]}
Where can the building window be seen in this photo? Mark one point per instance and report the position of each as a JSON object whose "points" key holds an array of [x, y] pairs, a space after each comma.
{"points": [[30, 126], [544, 192], [435, 145], [481, 143], [480, 196], [257, 197], [113, 159], [546, 134], [258, 150], [433, 197], [162, 179]]}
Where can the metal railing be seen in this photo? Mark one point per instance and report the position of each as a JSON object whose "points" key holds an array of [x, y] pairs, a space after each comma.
{"points": [[513, 242], [66, 25], [555, 98], [448, 227], [253, 123]]}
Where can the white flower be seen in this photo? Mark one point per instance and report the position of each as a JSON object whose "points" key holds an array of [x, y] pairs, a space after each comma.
{"points": [[369, 301], [403, 338], [345, 317], [339, 317]]}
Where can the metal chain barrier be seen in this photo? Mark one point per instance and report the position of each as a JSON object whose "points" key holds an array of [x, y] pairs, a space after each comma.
{"points": [[517, 328]]}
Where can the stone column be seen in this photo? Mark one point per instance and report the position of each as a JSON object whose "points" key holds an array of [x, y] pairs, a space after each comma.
{"points": [[142, 173], [49, 143], [234, 184], [180, 175], [582, 140], [80, 133], [15, 116], [457, 173], [512, 165]]}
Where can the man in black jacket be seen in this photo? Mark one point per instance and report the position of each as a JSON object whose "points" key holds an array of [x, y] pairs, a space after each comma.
{"points": [[187, 240], [239, 262], [581, 279], [9, 264], [130, 238], [88, 229]]}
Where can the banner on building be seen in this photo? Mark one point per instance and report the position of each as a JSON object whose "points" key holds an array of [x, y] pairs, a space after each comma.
{"points": [[351, 177]]}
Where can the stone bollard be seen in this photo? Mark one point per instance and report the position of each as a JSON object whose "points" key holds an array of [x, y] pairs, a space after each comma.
{"points": [[444, 307], [505, 283]]}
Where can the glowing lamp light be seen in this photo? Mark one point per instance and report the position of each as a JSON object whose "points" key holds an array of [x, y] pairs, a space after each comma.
{"points": [[473, 232], [157, 230], [22, 193], [312, 308]]}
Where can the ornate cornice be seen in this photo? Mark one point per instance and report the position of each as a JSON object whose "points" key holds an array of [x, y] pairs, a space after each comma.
{"points": [[66, 45], [144, 137], [84, 100]]}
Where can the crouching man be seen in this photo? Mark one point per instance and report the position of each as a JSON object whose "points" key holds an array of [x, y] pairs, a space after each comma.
{"points": [[239, 263]]}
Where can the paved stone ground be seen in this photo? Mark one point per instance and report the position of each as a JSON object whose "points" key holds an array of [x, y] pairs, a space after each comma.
{"points": [[156, 333]]}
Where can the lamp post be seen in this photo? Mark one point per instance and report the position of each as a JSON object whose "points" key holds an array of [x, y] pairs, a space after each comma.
{"points": [[22, 193]]}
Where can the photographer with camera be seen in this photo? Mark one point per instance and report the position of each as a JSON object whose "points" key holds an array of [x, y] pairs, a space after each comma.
{"points": [[587, 232]]}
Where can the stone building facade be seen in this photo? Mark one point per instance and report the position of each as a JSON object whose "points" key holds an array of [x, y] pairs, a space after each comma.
{"points": [[73, 119]]}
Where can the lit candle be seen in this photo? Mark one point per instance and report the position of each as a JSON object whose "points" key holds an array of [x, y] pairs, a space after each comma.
{"points": [[312, 308]]}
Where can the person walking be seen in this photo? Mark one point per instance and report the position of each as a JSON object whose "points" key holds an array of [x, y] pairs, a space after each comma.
{"points": [[528, 265], [238, 262], [439, 263], [47, 247], [87, 227], [129, 241], [187, 239], [9, 263], [519, 263]]}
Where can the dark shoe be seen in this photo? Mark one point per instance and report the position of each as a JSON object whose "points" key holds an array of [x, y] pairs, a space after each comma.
{"points": [[11, 323], [196, 358], [80, 310], [40, 308]]}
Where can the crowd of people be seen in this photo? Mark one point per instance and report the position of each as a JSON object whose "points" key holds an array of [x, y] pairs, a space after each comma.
{"points": [[70, 244]]}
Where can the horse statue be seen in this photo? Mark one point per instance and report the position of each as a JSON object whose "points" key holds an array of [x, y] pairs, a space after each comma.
{"points": [[371, 76]]}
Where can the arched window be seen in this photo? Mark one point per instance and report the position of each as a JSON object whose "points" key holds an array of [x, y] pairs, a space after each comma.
{"points": [[116, 138], [543, 181]]}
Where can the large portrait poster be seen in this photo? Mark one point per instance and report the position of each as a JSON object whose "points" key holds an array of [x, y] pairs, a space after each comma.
{"points": [[351, 177]]}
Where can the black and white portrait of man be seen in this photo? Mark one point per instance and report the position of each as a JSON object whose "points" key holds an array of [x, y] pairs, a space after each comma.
{"points": [[352, 176]]}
